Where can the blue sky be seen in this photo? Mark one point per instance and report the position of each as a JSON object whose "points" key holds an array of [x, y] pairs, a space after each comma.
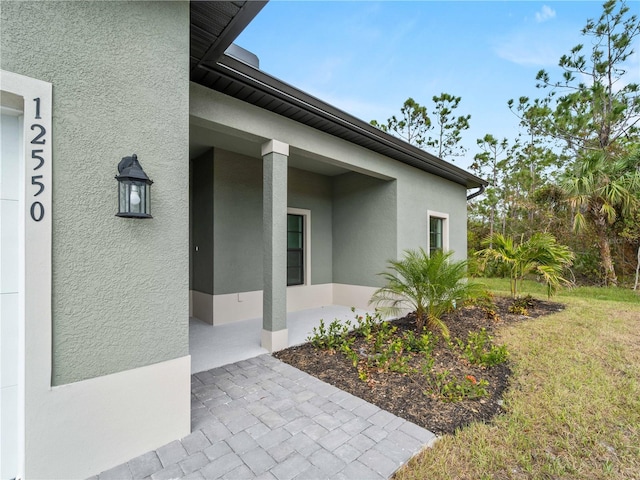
{"points": [[367, 58]]}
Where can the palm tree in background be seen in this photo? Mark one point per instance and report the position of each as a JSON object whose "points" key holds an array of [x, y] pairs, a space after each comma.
{"points": [[600, 189]]}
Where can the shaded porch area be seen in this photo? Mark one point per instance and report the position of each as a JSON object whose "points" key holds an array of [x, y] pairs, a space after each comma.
{"points": [[212, 346]]}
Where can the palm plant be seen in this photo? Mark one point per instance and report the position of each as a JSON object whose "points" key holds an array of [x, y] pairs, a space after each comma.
{"points": [[540, 255], [429, 285], [600, 189]]}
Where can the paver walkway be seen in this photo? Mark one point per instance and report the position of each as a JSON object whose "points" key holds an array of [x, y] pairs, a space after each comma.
{"points": [[263, 419]]}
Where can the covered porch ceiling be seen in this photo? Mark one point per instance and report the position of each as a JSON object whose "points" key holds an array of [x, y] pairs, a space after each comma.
{"points": [[203, 138]]}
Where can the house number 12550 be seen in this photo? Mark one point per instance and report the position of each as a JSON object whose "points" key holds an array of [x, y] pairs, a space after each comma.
{"points": [[39, 138]]}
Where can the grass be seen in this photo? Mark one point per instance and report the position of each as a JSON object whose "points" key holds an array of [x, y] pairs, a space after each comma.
{"points": [[573, 411], [501, 287]]}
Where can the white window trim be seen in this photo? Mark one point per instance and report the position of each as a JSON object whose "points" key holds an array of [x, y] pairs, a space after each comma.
{"points": [[445, 229], [306, 218]]}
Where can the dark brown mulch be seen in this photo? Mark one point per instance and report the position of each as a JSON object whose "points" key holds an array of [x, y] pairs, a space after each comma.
{"points": [[404, 394]]}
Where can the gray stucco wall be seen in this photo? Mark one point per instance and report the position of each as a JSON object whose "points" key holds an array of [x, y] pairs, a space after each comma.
{"points": [[201, 223], [120, 86], [364, 228], [237, 232], [419, 192], [313, 192]]}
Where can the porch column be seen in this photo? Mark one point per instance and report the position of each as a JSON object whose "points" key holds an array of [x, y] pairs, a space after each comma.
{"points": [[275, 155]]}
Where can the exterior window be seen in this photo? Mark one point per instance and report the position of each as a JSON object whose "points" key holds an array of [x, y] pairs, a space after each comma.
{"points": [[435, 233], [438, 231], [295, 249]]}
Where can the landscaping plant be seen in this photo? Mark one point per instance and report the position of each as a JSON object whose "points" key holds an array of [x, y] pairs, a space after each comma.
{"points": [[377, 346], [480, 350], [429, 285], [540, 255]]}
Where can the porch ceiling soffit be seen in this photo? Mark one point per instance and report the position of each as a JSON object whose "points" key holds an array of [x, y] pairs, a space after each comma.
{"points": [[204, 135], [241, 81]]}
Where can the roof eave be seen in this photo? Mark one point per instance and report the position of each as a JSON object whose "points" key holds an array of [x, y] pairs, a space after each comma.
{"points": [[383, 142]]}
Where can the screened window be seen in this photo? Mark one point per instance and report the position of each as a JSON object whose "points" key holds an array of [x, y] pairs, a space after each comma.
{"points": [[295, 249]]}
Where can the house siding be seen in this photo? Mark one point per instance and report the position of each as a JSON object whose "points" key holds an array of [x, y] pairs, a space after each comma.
{"points": [[364, 228], [120, 86], [237, 223], [313, 192], [420, 191]]}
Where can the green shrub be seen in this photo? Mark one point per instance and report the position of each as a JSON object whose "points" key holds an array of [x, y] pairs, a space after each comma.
{"points": [[423, 343], [487, 305], [541, 255], [479, 349], [329, 338], [367, 323]]}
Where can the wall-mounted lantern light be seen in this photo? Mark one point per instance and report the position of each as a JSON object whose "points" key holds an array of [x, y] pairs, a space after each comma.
{"points": [[134, 189]]}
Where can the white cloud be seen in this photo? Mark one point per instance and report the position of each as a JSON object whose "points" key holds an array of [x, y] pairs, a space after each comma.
{"points": [[545, 14], [525, 50]]}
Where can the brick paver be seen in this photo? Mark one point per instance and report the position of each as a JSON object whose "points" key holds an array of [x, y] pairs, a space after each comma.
{"points": [[263, 419]]}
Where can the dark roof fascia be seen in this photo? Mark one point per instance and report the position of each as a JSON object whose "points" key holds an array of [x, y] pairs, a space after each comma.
{"points": [[238, 23], [383, 142]]}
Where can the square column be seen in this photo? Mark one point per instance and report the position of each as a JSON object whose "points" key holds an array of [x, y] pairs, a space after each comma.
{"points": [[275, 156]]}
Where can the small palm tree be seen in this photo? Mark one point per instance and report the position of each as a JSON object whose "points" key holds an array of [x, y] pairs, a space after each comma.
{"points": [[540, 255], [428, 285]]}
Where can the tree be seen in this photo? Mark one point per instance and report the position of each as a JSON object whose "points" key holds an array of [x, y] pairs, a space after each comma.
{"points": [[446, 143], [593, 112], [596, 108], [600, 189], [540, 255], [412, 126], [492, 162], [429, 285]]}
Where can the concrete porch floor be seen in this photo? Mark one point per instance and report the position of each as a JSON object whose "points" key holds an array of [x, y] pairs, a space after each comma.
{"points": [[215, 346]]}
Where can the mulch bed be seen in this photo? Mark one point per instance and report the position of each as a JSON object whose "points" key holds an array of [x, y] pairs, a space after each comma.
{"points": [[403, 394]]}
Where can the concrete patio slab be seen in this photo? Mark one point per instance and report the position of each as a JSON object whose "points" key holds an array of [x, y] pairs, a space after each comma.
{"points": [[214, 346], [280, 423]]}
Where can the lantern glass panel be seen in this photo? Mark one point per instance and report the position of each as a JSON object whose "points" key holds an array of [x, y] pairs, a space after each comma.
{"points": [[146, 191], [123, 196]]}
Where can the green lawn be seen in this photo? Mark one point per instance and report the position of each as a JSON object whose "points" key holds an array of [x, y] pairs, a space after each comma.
{"points": [[573, 410]]}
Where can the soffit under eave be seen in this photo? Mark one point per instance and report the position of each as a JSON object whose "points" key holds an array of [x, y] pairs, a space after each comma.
{"points": [[215, 25]]}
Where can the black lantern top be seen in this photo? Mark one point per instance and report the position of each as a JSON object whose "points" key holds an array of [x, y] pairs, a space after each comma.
{"points": [[134, 189], [129, 168]]}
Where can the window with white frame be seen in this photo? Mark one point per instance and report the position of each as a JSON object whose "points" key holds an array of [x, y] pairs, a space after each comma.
{"points": [[298, 247], [438, 231]]}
